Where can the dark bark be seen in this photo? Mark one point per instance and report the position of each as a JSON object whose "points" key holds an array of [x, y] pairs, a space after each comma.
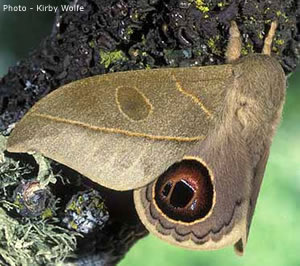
{"points": [[123, 35]]}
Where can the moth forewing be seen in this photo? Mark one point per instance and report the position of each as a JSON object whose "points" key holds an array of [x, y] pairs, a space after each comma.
{"points": [[122, 130]]}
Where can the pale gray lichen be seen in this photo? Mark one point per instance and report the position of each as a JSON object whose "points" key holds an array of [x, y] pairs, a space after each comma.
{"points": [[33, 243], [11, 171], [38, 240], [45, 174]]}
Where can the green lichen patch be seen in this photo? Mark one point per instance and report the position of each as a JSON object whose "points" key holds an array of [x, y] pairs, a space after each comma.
{"points": [[108, 58], [279, 41], [223, 4], [201, 5], [213, 45], [247, 49]]}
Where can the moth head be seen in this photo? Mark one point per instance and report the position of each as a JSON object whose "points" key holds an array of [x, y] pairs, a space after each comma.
{"points": [[186, 207]]}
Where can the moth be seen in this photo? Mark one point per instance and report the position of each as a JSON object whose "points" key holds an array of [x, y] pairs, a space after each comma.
{"points": [[191, 142]]}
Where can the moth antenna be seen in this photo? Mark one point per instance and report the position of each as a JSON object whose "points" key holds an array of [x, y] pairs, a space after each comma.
{"points": [[268, 41], [235, 43]]}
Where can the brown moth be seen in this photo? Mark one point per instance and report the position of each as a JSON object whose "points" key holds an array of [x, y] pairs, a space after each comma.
{"points": [[192, 142]]}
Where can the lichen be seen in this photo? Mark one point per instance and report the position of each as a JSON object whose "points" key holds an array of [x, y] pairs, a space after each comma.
{"points": [[130, 30], [135, 15], [92, 44], [86, 212], [34, 243], [108, 58], [213, 46], [222, 4], [201, 5], [35, 239], [279, 42]]}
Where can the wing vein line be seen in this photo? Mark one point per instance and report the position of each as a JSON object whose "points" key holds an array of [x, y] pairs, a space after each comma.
{"points": [[119, 131], [194, 98]]}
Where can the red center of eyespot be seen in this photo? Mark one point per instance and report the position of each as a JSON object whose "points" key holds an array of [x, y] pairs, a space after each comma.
{"points": [[185, 191]]}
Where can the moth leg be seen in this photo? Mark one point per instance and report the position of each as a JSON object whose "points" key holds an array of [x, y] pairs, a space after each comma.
{"points": [[235, 43], [268, 41]]}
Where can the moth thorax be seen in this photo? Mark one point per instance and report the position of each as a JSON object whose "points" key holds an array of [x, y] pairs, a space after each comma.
{"points": [[185, 191]]}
